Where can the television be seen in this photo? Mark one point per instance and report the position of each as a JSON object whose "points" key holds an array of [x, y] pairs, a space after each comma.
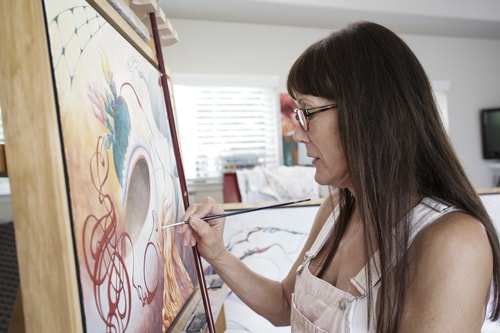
{"points": [[490, 133]]}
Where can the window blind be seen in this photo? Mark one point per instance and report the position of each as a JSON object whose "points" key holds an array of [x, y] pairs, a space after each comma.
{"points": [[224, 128]]}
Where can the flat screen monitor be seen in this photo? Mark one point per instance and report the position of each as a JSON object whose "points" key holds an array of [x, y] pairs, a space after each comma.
{"points": [[490, 132]]}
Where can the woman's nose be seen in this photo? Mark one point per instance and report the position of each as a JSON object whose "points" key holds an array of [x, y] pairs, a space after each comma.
{"points": [[299, 135]]}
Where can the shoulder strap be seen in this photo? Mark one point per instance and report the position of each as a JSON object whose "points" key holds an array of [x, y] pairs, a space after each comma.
{"points": [[320, 240], [324, 233]]}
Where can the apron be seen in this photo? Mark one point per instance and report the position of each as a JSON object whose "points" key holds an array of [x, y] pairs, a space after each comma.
{"points": [[317, 306]]}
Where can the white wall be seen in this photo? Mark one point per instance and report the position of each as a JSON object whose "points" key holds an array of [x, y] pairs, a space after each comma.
{"points": [[472, 67]]}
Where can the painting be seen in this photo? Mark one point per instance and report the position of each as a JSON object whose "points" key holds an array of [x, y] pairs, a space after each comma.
{"points": [[288, 124], [267, 242], [122, 174]]}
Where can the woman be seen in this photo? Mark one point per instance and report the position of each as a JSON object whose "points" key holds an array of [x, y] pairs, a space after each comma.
{"points": [[403, 244]]}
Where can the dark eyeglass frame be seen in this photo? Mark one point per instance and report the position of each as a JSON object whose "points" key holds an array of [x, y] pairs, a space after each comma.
{"points": [[303, 115]]}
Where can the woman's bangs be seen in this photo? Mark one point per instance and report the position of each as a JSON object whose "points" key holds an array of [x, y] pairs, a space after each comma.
{"points": [[311, 73]]}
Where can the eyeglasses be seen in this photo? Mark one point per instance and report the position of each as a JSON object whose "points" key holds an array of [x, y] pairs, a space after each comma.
{"points": [[303, 115]]}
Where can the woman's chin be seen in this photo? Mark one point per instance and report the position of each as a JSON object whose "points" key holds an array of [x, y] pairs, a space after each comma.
{"points": [[320, 180]]}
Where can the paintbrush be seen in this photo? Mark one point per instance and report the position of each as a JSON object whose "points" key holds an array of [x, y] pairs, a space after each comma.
{"points": [[243, 211]]}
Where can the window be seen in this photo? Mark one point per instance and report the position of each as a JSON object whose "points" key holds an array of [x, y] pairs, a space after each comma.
{"points": [[225, 123], [441, 89]]}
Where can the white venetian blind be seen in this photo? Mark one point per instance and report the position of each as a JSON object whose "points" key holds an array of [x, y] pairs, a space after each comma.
{"points": [[226, 125]]}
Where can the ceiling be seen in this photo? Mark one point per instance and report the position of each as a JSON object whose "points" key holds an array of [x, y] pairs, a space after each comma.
{"points": [[453, 18]]}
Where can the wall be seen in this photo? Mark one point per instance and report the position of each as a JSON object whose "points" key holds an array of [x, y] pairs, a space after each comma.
{"points": [[470, 65], [473, 68]]}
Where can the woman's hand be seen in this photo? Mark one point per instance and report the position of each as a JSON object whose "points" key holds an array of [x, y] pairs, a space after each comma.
{"points": [[207, 235]]}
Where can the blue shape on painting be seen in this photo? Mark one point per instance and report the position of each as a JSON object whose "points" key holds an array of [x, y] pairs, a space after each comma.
{"points": [[121, 135], [112, 111]]}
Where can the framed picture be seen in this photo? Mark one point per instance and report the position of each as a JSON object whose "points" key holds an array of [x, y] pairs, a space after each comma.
{"points": [[94, 174]]}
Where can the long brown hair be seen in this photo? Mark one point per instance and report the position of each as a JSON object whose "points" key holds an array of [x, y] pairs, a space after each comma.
{"points": [[395, 146]]}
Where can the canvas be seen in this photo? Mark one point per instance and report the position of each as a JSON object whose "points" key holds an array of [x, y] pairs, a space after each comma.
{"points": [[122, 175], [267, 242]]}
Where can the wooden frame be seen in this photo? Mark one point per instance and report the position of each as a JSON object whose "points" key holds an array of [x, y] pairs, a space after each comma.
{"points": [[34, 154], [35, 170]]}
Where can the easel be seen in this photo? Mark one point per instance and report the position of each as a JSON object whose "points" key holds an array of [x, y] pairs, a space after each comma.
{"points": [[50, 299]]}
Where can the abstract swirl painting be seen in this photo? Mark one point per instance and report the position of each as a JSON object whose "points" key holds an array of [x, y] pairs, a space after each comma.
{"points": [[122, 175]]}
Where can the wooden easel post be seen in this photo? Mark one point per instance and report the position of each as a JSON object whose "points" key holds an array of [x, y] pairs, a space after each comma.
{"points": [[170, 112]]}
